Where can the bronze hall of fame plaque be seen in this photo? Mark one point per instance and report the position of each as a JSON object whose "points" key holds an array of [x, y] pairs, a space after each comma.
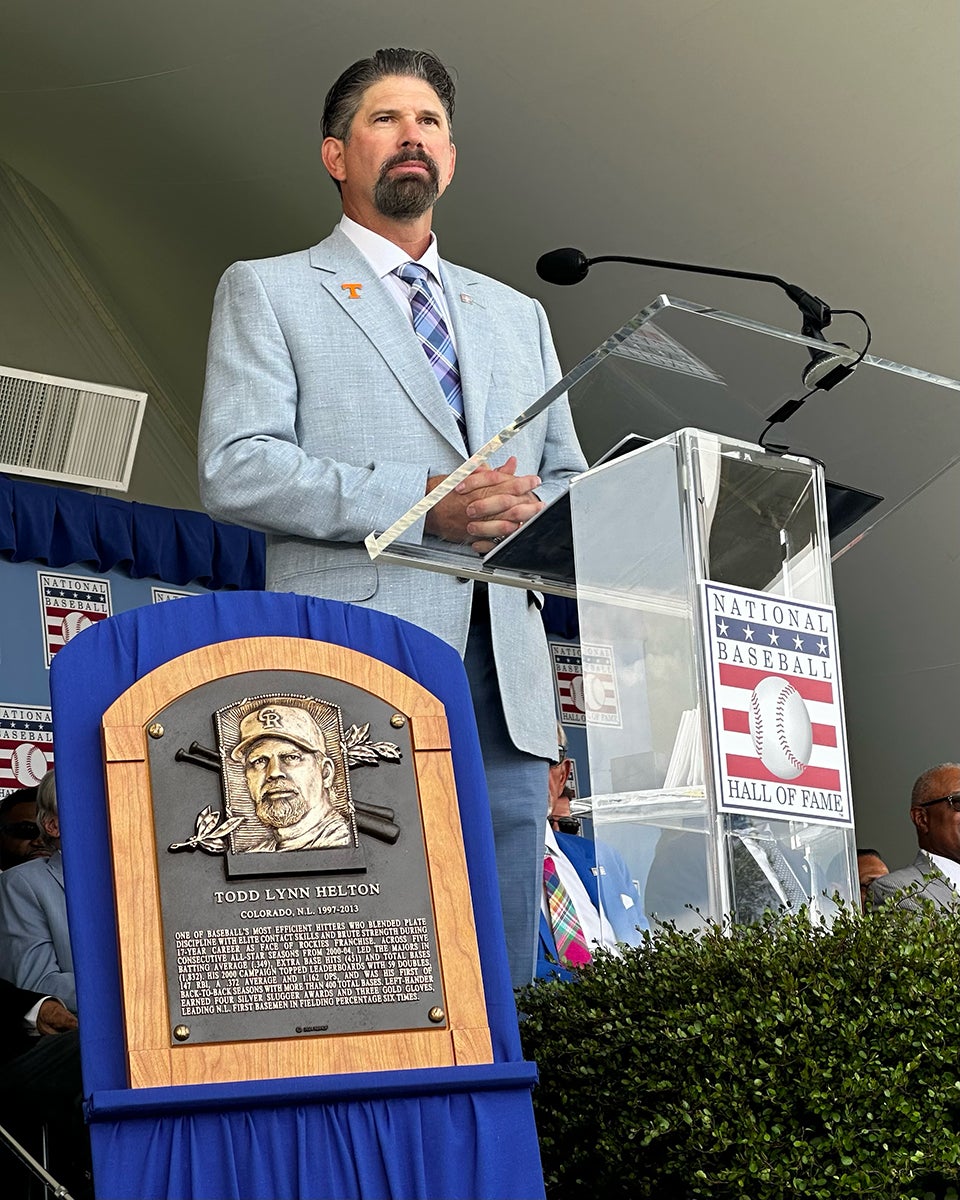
{"points": [[292, 873]]}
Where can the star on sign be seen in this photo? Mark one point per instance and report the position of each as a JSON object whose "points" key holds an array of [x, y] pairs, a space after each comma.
{"points": [[722, 628], [774, 638], [748, 633], [798, 642], [822, 646]]}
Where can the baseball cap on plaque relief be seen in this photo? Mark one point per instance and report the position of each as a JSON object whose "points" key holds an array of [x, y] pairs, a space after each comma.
{"points": [[775, 706]]}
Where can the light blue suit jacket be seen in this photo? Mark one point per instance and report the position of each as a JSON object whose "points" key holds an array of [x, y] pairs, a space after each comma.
{"points": [[322, 421], [34, 939]]}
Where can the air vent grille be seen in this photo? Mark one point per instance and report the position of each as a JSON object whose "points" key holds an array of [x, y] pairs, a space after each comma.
{"points": [[67, 430]]}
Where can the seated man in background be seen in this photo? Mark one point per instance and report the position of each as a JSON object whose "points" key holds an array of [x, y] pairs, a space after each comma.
{"points": [[574, 916], [935, 873], [870, 866], [40, 1085], [34, 941], [20, 836]]}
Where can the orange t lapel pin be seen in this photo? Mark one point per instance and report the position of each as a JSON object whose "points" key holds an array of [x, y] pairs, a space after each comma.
{"points": [[352, 290]]}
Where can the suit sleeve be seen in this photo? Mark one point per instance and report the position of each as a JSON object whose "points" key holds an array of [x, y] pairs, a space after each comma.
{"points": [[562, 457], [27, 954], [252, 469]]}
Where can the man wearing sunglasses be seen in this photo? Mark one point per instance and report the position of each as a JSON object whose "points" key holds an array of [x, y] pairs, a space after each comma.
{"points": [[935, 873], [20, 836]]}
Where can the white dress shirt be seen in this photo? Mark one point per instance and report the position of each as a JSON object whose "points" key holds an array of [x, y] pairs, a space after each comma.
{"points": [[384, 257], [947, 867]]}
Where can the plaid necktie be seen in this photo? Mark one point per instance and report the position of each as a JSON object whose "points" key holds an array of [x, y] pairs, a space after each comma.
{"points": [[431, 329], [571, 944]]}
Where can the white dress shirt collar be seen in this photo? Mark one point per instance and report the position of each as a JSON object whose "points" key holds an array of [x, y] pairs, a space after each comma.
{"points": [[947, 867], [385, 256]]}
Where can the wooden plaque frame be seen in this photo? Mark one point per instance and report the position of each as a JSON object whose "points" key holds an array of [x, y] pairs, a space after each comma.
{"points": [[151, 1060]]}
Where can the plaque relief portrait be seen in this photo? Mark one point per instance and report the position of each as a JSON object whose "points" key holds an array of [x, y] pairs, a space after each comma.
{"points": [[284, 761], [285, 773]]}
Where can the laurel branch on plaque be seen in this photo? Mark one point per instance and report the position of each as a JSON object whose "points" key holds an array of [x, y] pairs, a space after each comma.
{"points": [[209, 836]]}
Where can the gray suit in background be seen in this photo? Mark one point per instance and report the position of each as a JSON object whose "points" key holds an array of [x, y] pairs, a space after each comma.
{"points": [[34, 939], [936, 888]]}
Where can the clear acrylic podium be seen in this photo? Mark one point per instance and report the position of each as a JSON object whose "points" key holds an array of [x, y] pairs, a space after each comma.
{"points": [[705, 510], [724, 794]]}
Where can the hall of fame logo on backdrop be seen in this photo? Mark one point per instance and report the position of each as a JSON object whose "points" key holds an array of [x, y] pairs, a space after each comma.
{"points": [[160, 594], [776, 707], [568, 682], [585, 679], [68, 605], [26, 746]]}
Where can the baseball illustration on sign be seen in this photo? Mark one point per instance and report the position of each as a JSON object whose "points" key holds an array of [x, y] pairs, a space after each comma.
{"points": [[780, 727], [26, 746], [776, 711]]}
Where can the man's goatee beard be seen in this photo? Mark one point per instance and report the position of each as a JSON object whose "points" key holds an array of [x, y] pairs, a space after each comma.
{"points": [[280, 811], [406, 197]]}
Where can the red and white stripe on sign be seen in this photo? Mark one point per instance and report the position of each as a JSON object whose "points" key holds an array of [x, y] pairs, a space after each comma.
{"points": [[736, 684]]}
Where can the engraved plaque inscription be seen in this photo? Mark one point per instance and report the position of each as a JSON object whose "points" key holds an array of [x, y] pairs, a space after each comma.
{"points": [[293, 882]]}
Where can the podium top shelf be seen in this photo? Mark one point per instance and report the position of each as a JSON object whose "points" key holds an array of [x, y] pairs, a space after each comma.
{"points": [[887, 429]]}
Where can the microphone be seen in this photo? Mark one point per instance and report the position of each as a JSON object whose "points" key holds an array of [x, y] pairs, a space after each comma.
{"points": [[567, 266], [826, 369]]}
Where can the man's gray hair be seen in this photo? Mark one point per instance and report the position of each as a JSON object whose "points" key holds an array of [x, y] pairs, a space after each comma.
{"points": [[929, 783], [344, 98], [46, 802]]}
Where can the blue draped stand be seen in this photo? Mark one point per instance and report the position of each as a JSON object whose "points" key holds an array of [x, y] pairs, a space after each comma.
{"points": [[441, 1132]]}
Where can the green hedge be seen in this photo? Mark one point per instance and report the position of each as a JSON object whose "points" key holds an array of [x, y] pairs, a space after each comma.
{"points": [[757, 1062]]}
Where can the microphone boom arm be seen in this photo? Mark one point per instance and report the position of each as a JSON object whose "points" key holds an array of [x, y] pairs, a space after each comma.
{"points": [[816, 313]]}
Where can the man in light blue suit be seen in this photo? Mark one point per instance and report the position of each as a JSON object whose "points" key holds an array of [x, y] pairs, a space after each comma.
{"points": [[34, 939], [327, 416]]}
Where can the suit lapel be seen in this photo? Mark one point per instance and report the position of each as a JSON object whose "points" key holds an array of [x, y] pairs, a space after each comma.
{"points": [[473, 330], [376, 314], [55, 867]]}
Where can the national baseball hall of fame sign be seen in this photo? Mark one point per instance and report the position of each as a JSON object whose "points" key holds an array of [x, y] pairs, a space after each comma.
{"points": [[291, 854], [775, 706]]}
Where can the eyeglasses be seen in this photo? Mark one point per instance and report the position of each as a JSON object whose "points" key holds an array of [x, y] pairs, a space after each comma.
{"points": [[953, 800], [568, 824], [28, 830]]}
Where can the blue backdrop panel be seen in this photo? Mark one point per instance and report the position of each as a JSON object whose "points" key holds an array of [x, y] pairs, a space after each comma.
{"points": [[392, 1134], [58, 526]]}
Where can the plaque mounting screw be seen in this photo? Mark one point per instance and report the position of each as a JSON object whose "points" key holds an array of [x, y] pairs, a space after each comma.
{"points": [[181, 1032], [155, 730], [398, 720], [436, 1015]]}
